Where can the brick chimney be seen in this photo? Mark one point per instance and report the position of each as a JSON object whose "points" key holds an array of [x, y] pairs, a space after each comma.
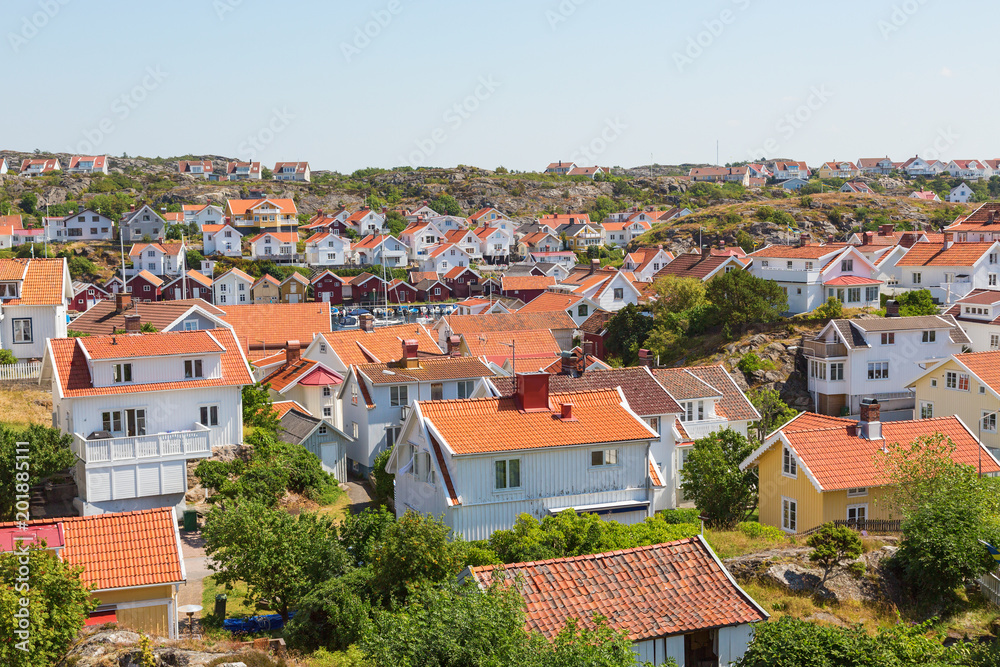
{"points": [[869, 425], [455, 346], [122, 301], [133, 323], [588, 349], [532, 391], [869, 237], [568, 365], [948, 239], [366, 322], [595, 264], [885, 230], [645, 358], [803, 239], [409, 359], [892, 308], [292, 350], [566, 412]]}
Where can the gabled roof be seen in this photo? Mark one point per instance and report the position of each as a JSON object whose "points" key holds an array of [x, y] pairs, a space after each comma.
{"points": [[653, 591], [511, 283], [597, 323], [538, 345], [835, 457], [708, 381], [300, 167], [283, 237], [644, 394], [483, 425], [270, 325], [692, 265], [428, 369], [551, 301], [375, 240], [43, 280], [456, 271], [103, 317], [150, 278], [297, 372], [196, 276], [169, 249], [267, 278], [72, 372], [98, 160], [184, 166], [238, 274], [119, 549], [381, 344], [809, 251], [506, 322], [242, 206], [254, 167], [326, 274], [933, 254], [282, 407]]}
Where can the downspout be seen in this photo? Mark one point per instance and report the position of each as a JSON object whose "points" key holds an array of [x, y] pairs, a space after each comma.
{"points": [[649, 481]]}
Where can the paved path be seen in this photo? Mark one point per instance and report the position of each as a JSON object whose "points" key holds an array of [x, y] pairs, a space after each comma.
{"points": [[360, 495], [196, 568]]}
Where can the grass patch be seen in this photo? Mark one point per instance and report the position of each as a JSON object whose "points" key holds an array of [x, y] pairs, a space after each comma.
{"points": [[237, 604], [732, 543], [22, 406]]}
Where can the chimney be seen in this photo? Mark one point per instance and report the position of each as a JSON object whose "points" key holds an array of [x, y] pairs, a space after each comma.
{"points": [[80, 207], [885, 230], [133, 323], [319, 213], [645, 358], [131, 207], [595, 264], [892, 308], [292, 349], [455, 346], [568, 366], [803, 239], [869, 426], [989, 216], [706, 251], [366, 322], [410, 354], [868, 238], [533, 391], [588, 349], [948, 240], [122, 301], [566, 412]]}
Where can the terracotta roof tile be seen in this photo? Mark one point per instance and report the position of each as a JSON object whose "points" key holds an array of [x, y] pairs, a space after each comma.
{"points": [[704, 381], [810, 251], [43, 280], [511, 283], [495, 346], [102, 318], [481, 425], [551, 301], [282, 407], [691, 265], [852, 280], [654, 591], [597, 322], [383, 344], [933, 254], [277, 323], [429, 369], [241, 206], [501, 322], [984, 365], [121, 549]]}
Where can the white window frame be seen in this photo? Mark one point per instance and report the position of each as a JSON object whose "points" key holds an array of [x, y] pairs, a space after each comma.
{"points": [[121, 373], [789, 464], [398, 395], [926, 409], [856, 507], [790, 510], [929, 336], [194, 369], [878, 370], [604, 458], [988, 421], [208, 415], [23, 330], [857, 492], [507, 485]]}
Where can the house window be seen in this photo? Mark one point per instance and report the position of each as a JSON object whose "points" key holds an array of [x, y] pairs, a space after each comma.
{"points": [[692, 409], [322, 429], [926, 410], [928, 337], [993, 279], [326, 391], [466, 388], [209, 415], [582, 310], [995, 341], [837, 371], [22, 330], [817, 369], [654, 423], [989, 421], [857, 513], [878, 370], [112, 421], [604, 457], [857, 492], [809, 266], [392, 436], [871, 294], [327, 411], [507, 474], [354, 394], [122, 373], [437, 391], [916, 279], [437, 291], [954, 380], [847, 265], [788, 265], [192, 368], [398, 395], [789, 467], [763, 263], [789, 510], [619, 293], [889, 339]]}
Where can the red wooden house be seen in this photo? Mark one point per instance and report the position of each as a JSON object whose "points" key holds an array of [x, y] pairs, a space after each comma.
{"points": [[192, 286], [86, 295], [367, 289], [328, 287], [460, 280], [401, 292], [144, 286], [525, 288], [433, 290]]}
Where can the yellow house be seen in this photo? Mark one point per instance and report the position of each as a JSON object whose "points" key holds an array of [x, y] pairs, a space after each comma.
{"points": [[266, 290], [967, 386], [294, 289], [131, 561], [839, 170], [816, 469]]}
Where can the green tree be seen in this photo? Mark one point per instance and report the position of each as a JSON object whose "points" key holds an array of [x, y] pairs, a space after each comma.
{"points": [[743, 299], [112, 205], [445, 204], [675, 294], [57, 605], [266, 174], [627, 333], [23, 466], [415, 552], [916, 302], [384, 481], [601, 208], [745, 241], [257, 407], [833, 309], [361, 533], [28, 203], [947, 508], [279, 557], [334, 615], [774, 412], [832, 544], [396, 223], [193, 259], [712, 478]]}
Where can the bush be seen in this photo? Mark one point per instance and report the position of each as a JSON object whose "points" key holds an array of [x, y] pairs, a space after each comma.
{"points": [[833, 309], [681, 515], [759, 531], [384, 482], [750, 362], [334, 615], [7, 357]]}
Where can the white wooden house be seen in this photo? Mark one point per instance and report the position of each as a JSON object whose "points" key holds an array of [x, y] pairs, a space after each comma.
{"points": [[310, 383], [380, 249], [978, 314], [444, 257], [949, 270], [144, 224], [84, 225], [366, 222], [34, 300], [221, 239], [139, 406], [327, 249], [232, 288], [203, 214], [273, 245], [318, 436], [419, 237], [482, 462], [376, 398], [496, 239], [160, 259]]}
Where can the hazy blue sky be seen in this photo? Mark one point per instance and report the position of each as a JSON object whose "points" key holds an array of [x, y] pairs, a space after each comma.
{"points": [[517, 83]]}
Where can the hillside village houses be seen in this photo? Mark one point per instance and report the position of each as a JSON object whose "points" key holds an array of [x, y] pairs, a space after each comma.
{"points": [[34, 301], [203, 214], [144, 224], [978, 313], [292, 171]]}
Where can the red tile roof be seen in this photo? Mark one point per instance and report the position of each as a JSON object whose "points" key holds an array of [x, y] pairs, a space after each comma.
{"points": [[933, 254], [281, 408], [514, 283], [703, 381], [121, 549], [383, 344], [654, 591], [242, 206], [69, 356], [810, 251], [482, 425], [538, 344], [984, 365], [852, 280], [428, 370], [44, 280], [289, 374], [692, 265], [550, 301], [102, 318], [503, 322], [270, 325], [836, 458]]}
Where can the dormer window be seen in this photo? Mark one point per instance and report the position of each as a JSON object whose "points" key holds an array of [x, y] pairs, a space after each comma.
{"points": [[193, 369], [8, 290], [122, 373]]}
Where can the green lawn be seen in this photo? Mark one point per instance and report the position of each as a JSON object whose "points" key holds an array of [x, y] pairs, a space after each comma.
{"points": [[236, 604]]}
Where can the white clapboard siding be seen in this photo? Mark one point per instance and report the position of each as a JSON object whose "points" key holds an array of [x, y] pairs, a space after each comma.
{"points": [[149, 479], [99, 484], [124, 482], [174, 476], [22, 370]]}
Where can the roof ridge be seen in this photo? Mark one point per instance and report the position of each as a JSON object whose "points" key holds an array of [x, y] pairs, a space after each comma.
{"points": [[581, 557]]}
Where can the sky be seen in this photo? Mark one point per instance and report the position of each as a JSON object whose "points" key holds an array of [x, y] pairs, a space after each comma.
{"points": [[519, 84]]}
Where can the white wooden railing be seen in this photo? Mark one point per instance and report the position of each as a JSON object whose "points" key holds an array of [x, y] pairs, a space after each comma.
{"points": [[989, 585], [192, 443], [22, 370]]}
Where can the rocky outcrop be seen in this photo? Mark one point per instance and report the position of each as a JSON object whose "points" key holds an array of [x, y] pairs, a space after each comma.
{"points": [[107, 646]]}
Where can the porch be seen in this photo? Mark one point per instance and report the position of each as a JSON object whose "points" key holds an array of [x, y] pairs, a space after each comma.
{"points": [[188, 444]]}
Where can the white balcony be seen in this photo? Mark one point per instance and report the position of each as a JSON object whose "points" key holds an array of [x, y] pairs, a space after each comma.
{"points": [[190, 444], [701, 428]]}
